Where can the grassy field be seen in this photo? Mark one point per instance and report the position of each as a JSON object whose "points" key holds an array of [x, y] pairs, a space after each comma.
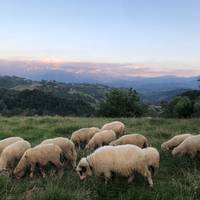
{"points": [[177, 178]]}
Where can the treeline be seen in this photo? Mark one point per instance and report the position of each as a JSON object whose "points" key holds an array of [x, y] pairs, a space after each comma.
{"points": [[20, 96], [117, 103], [36, 102]]}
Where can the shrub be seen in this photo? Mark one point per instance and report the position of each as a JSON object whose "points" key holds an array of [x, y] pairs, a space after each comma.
{"points": [[121, 103]]}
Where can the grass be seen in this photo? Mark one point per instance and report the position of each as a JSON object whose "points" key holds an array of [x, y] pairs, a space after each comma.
{"points": [[177, 178]]}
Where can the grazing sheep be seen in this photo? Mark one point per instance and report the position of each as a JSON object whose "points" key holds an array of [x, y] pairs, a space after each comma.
{"points": [[83, 135], [41, 154], [190, 146], [136, 139], [101, 138], [12, 154], [152, 158], [174, 141], [5, 142], [116, 126], [67, 147], [124, 160]]}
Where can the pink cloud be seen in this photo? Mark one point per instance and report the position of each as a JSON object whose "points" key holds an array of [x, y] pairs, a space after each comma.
{"points": [[121, 70]]}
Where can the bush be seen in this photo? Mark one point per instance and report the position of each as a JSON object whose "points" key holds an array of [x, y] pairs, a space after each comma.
{"points": [[180, 107], [121, 103]]}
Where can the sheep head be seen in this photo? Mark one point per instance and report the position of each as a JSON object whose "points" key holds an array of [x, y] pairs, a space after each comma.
{"points": [[83, 169]]}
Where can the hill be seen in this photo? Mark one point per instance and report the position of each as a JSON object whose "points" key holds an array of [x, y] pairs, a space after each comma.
{"points": [[177, 178], [24, 96], [151, 90]]}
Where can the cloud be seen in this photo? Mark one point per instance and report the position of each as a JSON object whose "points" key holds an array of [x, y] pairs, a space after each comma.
{"points": [[114, 70]]}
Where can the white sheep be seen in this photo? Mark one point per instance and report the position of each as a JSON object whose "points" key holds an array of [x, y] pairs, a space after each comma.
{"points": [[152, 158], [67, 147], [5, 142], [124, 160], [12, 154], [83, 135], [190, 146], [116, 126], [101, 138], [174, 141], [136, 139], [42, 155]]}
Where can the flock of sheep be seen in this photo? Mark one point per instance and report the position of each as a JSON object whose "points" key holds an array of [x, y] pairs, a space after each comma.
{"points": [[123, 154]]}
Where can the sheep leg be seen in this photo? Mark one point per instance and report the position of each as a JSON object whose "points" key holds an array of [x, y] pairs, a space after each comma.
{"points": [[42, 171], [73, 163], [152, 170], [107, 176], [150, 181], [192, 154], [131, 178], [32, 170], [59, 167], [79, 146], [147, 173]]}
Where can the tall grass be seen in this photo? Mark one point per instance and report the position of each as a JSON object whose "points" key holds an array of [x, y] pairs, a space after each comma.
{"points": [[177, 178]]}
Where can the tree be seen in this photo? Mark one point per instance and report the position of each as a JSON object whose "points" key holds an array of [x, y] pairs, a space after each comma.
{"points": [[121, 103], [181, 107], [3, 106], [196, 109]]}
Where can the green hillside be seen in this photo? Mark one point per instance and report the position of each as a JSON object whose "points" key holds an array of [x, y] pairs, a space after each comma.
{"points": [[26, 97]]}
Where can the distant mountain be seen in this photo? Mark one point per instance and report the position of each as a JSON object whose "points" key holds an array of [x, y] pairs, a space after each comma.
{"points": [[152, 97], [141, 84], [152, 90]]}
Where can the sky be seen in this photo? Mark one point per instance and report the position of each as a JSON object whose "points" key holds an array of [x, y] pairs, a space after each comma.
{"points": [[161, 36]]}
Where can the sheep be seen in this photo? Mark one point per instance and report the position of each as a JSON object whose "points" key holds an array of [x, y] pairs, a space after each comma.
{"points": [[190, 146], [152, 158], [67, 147], [136, 139], [41, 154], [174, 141], [101, 138], [12, 154], [5, 142], [124, 160], [116, 126], [83, 135]]}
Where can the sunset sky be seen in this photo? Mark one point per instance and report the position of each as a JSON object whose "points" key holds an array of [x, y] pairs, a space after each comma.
{"points": [[139, 37]]}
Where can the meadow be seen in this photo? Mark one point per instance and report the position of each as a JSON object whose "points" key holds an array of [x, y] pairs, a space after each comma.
{"points": [[178, 178]]}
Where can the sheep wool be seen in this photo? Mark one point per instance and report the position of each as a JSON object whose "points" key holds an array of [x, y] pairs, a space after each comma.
{"points": [[152, 158], [67, 147], [116, 126], [12, 154], [83, 135], [190, 146], [136, 139], [123, 160], [101, 138], [174, 141], [5, 142], [41, 154]]}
